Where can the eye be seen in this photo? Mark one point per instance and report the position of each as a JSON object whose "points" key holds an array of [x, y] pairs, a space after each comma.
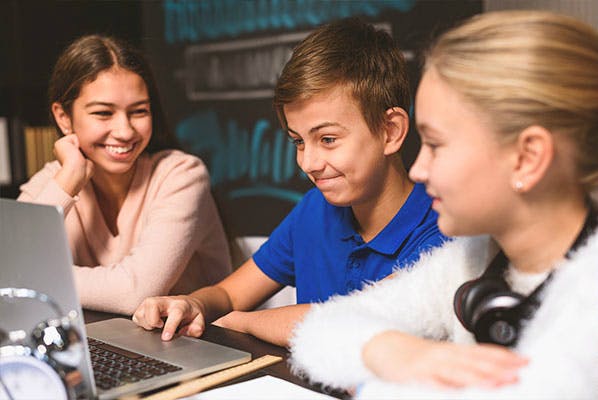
{"points": [[102, 113], [432, 147], [328, 140], [140, 112], [297, 142]]}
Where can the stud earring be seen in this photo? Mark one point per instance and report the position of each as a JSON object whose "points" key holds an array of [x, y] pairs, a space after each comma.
{"points": [[518, 186]]}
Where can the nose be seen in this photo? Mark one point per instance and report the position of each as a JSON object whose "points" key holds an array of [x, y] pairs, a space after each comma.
{"points": [[123, 129], [309, 159], [419, 169]]}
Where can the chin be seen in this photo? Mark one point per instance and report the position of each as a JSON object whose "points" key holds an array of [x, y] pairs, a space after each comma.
{"points": [[120, 170], [448, 228], [336, 201], [452, 229]]}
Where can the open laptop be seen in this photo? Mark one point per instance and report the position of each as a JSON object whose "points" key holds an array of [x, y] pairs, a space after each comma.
{"points": [[34, 254]]}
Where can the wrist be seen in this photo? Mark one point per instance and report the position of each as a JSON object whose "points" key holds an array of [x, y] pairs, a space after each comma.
{"points": [[68, 181], [197, 305]]}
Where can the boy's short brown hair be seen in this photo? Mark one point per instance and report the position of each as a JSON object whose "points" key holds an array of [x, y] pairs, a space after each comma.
{"points": [[347, 52]]}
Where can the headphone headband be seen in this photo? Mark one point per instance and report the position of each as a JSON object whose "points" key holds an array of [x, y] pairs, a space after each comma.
{"points": [[24, 293]]}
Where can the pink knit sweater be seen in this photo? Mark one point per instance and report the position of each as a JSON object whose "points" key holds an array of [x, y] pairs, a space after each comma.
{"points": [[170, 239]]}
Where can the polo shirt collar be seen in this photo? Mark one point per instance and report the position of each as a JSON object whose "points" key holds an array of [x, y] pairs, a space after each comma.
{"points": [[398, 230], [346, 224]]}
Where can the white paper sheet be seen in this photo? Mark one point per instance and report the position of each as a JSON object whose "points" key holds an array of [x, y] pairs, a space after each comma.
{"points": [[263, 388]]}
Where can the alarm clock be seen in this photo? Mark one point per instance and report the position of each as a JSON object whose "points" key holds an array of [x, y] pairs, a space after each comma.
{"points": [[41, 364]]}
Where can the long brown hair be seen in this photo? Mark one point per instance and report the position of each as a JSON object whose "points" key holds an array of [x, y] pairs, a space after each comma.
{"points": [[85, 58]]}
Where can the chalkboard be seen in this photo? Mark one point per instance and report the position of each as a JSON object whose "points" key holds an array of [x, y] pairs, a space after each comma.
{"points": [[216, 63]]}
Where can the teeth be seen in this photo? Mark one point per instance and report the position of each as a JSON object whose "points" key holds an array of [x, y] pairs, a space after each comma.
{"points": [[119, 149]]}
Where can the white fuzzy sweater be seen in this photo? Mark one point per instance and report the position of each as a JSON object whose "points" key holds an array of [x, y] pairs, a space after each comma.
{"points": [[561, 341]]}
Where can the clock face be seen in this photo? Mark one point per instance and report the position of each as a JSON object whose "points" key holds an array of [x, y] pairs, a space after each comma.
{"points": [[26, 377]]}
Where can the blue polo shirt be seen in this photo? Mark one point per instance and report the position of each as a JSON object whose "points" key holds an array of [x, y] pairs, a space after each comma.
{"points": [[317, 249]]}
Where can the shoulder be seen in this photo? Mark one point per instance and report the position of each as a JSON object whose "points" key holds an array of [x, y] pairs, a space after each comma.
{"points": [[174, 163], [578, 275], [50, 169], [170, 172], [42, 176], [314, 200], [462, 258]]}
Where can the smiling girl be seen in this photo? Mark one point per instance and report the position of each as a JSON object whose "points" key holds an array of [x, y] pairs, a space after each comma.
{"points": [[139, 215], [507, 110]]}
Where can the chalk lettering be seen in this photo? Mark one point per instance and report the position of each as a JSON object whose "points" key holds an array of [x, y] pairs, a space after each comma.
{"points": [[189, 21], [265, 157]]}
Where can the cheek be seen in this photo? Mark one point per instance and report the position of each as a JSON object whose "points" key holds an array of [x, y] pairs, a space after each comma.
{"points": [[449, 177], [299, 158], [144, 127]]}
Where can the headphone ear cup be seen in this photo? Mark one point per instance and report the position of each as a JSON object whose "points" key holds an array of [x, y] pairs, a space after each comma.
{"points": [[496, 318], [472, 293]]}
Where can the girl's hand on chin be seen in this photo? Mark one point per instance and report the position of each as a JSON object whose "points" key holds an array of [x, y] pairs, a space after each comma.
{"points": [[76, 168]]}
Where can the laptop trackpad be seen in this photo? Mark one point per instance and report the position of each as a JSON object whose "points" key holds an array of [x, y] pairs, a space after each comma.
{"points": [[182, 350]]}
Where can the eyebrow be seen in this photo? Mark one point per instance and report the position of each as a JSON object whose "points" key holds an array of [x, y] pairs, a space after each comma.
{"points": [[318, 127], [107, 104]]}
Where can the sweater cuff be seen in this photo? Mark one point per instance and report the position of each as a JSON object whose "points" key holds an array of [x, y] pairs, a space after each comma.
{"points": [[327, 347]]}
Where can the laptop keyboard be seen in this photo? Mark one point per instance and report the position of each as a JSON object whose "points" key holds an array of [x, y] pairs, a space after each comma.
{"points": [[113, 366]]}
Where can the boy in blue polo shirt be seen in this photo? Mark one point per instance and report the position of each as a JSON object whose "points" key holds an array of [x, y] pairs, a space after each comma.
{"points": [[342, 98]]}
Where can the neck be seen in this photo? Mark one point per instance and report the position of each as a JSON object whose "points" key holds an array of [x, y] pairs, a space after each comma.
{"points": [[112, 190], [374, 214], [543, 235]]}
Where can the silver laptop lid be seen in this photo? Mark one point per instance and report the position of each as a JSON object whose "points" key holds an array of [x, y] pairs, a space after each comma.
{"points": [[34, 254]]}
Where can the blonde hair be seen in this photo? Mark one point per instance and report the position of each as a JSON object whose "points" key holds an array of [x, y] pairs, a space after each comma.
{"points": [[523, 68]]}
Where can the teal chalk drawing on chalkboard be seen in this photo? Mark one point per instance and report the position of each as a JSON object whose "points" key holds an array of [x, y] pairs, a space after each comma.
{"points": [[263, 156], [188, 21]]}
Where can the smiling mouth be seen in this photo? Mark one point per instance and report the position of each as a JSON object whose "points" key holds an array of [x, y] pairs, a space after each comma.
{"points": [[119, 149], [322, 180]]}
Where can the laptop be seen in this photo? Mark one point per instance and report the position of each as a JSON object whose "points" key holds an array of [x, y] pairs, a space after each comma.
{"points": [[34, 254]]}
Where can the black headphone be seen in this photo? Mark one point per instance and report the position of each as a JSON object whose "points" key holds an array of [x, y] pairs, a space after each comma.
{"points": [[55, 341], [488, 308]]}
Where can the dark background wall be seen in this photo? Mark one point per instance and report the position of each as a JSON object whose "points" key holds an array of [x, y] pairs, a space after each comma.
{"points": [[216, 62], [32, 34]]}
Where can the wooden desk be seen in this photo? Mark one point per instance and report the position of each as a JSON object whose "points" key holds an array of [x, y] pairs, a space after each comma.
{"points": [[244, 342]]}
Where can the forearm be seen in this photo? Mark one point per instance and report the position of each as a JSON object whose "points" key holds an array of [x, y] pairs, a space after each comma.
{"points": [[388, 348], [273, 325], [340, 329], [43, 189]]}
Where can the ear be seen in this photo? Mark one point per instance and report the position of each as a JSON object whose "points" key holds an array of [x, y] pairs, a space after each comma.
{"points": [[395, 130], [62, 118], [535, 153]]}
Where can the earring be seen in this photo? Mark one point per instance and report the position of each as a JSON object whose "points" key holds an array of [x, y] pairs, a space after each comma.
{"points": [[518, 186]]}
